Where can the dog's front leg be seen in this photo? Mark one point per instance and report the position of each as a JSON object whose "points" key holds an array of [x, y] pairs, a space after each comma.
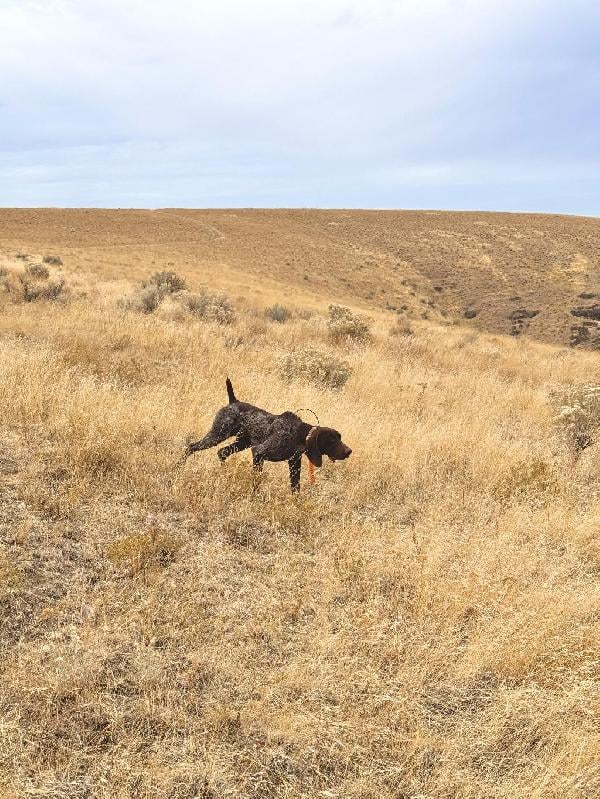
{"points": [[257, 466], [295, 464], [258, 459]]}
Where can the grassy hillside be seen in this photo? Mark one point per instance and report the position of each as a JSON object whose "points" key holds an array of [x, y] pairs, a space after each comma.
{"points": [[423, 622], [516, 274]]}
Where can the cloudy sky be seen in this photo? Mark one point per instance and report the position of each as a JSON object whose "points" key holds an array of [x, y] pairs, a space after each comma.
{"points": [[331, 103]]}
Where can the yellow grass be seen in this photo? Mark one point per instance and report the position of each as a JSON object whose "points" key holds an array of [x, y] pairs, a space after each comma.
{"points": [[422, 623]]}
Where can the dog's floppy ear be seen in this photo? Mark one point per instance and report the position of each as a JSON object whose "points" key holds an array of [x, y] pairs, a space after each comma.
{"points": [[315, 456]]}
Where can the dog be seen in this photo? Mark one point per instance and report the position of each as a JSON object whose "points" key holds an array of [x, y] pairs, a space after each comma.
{"points": [[272, 437]]}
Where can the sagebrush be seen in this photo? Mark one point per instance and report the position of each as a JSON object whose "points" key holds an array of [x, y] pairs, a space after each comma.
{"points": [[278, 313], [315, 366], [346, 325], [34, 283], [167, 291], [578, 414]]}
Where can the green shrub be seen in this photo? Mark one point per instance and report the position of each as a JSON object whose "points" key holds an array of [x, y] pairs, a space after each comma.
{"points": [[344, 325], [315, 366], [25, 288], [38, 271], [52, 290], [209, 306], [206, 305], [167, 282], [151, 293], [33, 283], [278, 313], [144, 300]]}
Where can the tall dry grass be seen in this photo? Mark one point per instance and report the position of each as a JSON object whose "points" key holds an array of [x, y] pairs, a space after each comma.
{"points": [[422, 623]]}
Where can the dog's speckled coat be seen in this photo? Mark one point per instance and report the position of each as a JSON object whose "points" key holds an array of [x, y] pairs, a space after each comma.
{"points": [[272, 437]]}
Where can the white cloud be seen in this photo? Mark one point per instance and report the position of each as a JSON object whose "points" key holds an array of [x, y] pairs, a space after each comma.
{"points": [[298, 93]]}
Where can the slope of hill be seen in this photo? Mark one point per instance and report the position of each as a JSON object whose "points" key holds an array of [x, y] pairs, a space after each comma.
{"points": [[423, 622], [505, 273]]}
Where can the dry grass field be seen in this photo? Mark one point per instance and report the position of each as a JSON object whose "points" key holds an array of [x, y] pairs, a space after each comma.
{"points": [[420, 624], [516, 274]]}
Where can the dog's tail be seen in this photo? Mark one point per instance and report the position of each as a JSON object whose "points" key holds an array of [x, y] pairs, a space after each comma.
{"points": [[230, 393]]}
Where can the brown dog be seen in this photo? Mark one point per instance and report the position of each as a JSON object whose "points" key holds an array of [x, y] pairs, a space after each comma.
{"points": [[272, 437]]}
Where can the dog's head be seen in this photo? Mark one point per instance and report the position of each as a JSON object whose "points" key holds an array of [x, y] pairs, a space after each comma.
{"points": [[326, 441]]}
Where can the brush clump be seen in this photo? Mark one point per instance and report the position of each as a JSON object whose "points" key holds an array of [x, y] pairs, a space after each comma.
{"points": [[315, 366]]}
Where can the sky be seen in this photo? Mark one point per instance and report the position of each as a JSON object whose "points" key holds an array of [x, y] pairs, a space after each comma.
{"points": [[438, 104]]}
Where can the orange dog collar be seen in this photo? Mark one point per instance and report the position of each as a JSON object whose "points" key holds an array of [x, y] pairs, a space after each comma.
{"points": [[311, 465]]}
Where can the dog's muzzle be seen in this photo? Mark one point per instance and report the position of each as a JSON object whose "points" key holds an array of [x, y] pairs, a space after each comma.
{"points": [[341, 455]]}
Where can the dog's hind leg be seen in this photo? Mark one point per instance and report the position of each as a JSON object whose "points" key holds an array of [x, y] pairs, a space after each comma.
{"points": [[242, 442], [224, 426], [257, 460]]}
